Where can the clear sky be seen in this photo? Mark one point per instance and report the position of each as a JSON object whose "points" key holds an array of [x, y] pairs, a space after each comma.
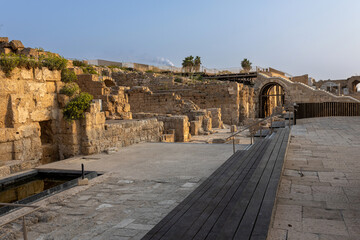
{"points": [[318, 37]]}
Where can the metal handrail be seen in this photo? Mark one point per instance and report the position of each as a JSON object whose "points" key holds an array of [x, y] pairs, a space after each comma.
{"points": [[249, 126], [35, 208], [232, 136]]}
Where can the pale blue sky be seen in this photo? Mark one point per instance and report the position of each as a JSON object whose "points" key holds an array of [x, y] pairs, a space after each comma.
{"points": [[318, 37]]}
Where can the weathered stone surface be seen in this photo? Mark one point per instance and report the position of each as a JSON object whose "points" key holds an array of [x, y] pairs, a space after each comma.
{"points": [[29, 52], [16, 45], [4, 39]]}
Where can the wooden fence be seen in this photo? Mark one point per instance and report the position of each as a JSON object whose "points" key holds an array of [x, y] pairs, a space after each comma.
{"points": [[327, 109]]}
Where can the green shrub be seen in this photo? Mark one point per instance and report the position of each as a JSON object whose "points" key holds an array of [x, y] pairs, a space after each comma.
{"points": [[68, 76], [39, 49], [178, 80], [70, 89], [198, 77], [75, 108], [28, 63], [79, 63], [89, 70], [8, 63], [105, 73], [53, 62], [113, 67]]}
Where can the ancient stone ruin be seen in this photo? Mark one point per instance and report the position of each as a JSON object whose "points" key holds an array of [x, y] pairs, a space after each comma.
{"points": [[128, 106]]}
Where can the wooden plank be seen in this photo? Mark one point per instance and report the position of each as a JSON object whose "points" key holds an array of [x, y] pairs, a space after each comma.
{"points": [[205, 222], [247, 224], [232, 222], [190, 217], [165, 224], [264, 217], [194, 194]]}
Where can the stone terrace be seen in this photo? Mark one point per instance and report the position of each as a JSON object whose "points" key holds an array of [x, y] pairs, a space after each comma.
{"points": [[319, 195]]}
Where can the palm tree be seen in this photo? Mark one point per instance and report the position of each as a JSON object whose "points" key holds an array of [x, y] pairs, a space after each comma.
{"points": [[246, 65], [197, 63], [188, 63]]}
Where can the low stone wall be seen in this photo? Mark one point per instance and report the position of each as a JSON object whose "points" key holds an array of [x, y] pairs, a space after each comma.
{"points": [[94, 134], [176, 125], [142, 99]]}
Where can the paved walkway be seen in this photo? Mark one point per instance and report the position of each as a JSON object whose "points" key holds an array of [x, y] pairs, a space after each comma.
{"points": [[319, 195], [141, 184]]}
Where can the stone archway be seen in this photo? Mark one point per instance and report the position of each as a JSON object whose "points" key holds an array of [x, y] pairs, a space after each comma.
{"points": [[271, 95], [356, 86], [353, 83]]}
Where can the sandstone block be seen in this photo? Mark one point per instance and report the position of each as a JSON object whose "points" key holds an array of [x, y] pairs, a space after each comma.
{"points": [[4, 39], [16, 45], [29, 52], [5, 50]]}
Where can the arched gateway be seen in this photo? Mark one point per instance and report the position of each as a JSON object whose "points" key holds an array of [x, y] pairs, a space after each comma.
{"points": [[271, 95]]}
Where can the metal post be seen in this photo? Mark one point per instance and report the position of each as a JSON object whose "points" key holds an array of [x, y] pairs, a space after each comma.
{"points": [[24, 229], [294, 119], [233, 144], [271, 123], [261, 131], [82, 171]]}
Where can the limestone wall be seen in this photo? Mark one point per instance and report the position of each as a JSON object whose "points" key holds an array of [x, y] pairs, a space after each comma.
{"points": [[215, 95], [114, 100], [132, 79], [142, 99], [94, 134], [29, 116], [33, 131], [177, 125]]}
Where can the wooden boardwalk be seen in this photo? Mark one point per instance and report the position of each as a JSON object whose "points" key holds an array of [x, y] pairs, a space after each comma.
{"points": [[235, 202]]}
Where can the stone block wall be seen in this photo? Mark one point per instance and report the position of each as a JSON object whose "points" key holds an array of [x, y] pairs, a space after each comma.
{"points": [[114, 100], [214, 94], [224, 95], [175, 125], [29, 115], [131, 79], [142, 99], [94, 134]]}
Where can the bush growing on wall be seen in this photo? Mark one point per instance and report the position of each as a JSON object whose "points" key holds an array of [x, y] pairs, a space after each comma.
{"points": [[70, 89], [54, 62], [8, 63], [68, 76], [79, 63], [76, 108], [11, 61]]}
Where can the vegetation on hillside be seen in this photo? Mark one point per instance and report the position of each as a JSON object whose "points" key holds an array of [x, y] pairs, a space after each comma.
{"points": [[11, 61]]}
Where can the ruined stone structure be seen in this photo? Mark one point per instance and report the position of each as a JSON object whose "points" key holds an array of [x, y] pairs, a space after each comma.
{"points": [[291, 92], [114, 100], [347, 86], [33, 131], [131, 107], [235, 100]]}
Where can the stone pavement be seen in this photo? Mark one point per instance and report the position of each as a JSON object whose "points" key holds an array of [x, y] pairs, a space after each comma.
{"points": [[319, 194], [141, 184]]}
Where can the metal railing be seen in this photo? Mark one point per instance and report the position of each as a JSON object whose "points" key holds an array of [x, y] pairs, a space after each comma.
{"points": [[35, 208], [258, 123]]}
